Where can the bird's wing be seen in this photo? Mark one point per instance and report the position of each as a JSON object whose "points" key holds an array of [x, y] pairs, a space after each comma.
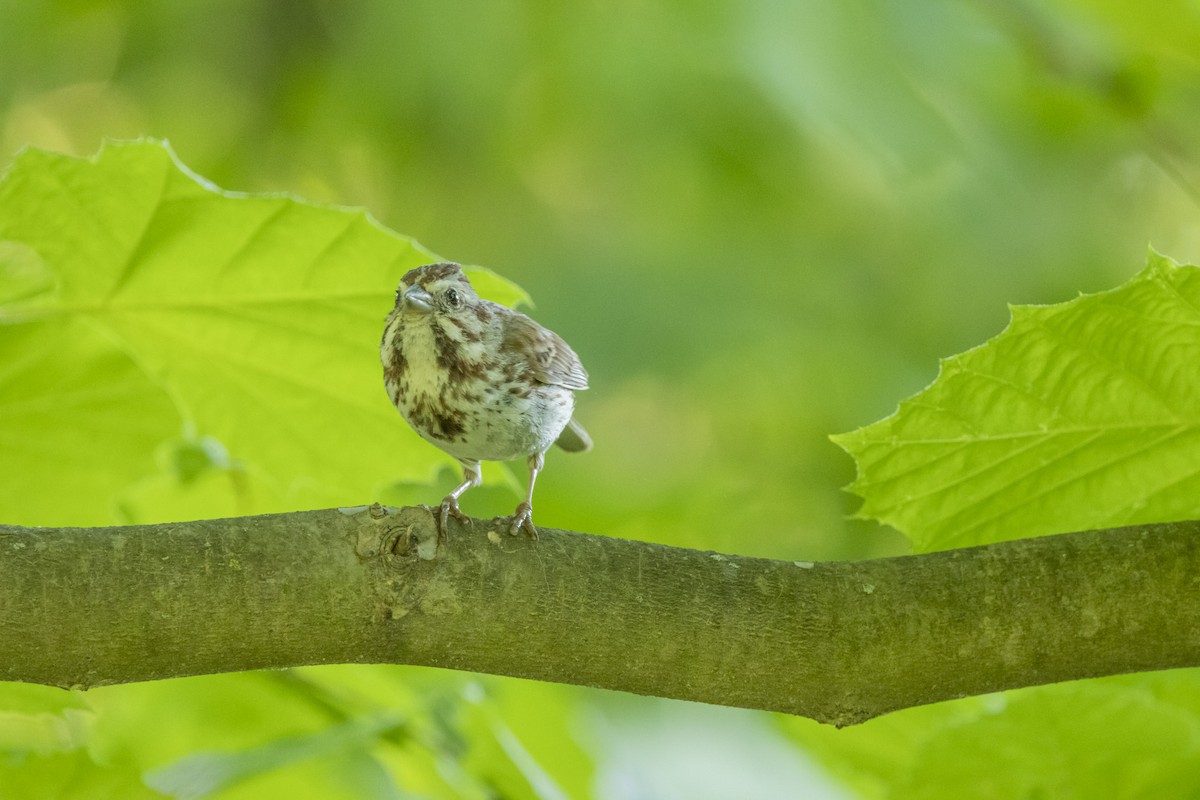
{"points": [[553, 361]]}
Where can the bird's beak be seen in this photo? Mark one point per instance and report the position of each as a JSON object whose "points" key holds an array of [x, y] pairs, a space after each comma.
{"points": [[417, 300]]}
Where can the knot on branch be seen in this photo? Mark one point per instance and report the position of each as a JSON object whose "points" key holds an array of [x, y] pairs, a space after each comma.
{"points": [[389, 532]]}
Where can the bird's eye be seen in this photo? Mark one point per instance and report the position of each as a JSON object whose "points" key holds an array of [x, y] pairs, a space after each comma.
{"points": [[452, 297]]}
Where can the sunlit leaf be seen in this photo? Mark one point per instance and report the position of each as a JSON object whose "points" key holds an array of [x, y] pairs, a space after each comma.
{"points": [[879, 754], [497, 754], [1082, 740], [44, 733], [128, 283], [206, 774], [41, 719], [1080, 415], [71, 776], [31, 698], [70, 437]]}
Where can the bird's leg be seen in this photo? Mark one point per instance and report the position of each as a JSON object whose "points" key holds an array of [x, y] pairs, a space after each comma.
{"points": [[522, 518], [449, 506]]}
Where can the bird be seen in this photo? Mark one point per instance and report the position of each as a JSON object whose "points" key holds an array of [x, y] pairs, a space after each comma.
{"points": [[480, 381]]}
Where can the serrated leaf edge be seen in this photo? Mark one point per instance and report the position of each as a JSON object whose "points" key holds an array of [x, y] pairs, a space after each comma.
{"points": [[1158, 266]]}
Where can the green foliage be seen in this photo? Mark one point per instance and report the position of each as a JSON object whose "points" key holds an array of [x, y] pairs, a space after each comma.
{"points": [[67, 396], [208, 774], [321, 732], [41, 720], [288, 290], [758, 222], [1080, 415], [171, 350], [1053, 742], [1013, 752], [43, 737], [235, 325], [72, 776]]}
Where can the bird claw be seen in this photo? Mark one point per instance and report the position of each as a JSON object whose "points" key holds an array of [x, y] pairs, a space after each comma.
{"points": [[449, 508], [522, 520]]}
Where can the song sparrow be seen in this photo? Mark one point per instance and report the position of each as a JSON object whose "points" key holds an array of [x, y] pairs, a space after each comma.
{"points": [[480, 381]]}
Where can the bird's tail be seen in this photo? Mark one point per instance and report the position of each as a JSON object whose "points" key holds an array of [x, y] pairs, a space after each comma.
{"points": [[574, 439]]}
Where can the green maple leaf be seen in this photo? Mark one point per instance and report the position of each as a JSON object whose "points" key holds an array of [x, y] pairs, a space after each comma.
{"points": [[1080, 415], [142, 310]]}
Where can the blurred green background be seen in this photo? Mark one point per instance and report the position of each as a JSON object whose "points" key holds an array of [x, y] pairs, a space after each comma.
{"points": [[758, 222]]}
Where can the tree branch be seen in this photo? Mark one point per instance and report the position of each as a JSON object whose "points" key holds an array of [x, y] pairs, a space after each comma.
{"points": [[839, 642]]}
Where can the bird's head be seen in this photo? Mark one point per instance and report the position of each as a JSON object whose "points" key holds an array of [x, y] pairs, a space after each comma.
{"points": [[440, 289]]}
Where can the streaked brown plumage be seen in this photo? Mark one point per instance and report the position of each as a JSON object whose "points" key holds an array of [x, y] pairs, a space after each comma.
{"points": [[480, 381]]}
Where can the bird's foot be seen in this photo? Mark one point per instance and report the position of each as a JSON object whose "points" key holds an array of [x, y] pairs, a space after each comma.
{"points": [[449, 508], [522, 520]]}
